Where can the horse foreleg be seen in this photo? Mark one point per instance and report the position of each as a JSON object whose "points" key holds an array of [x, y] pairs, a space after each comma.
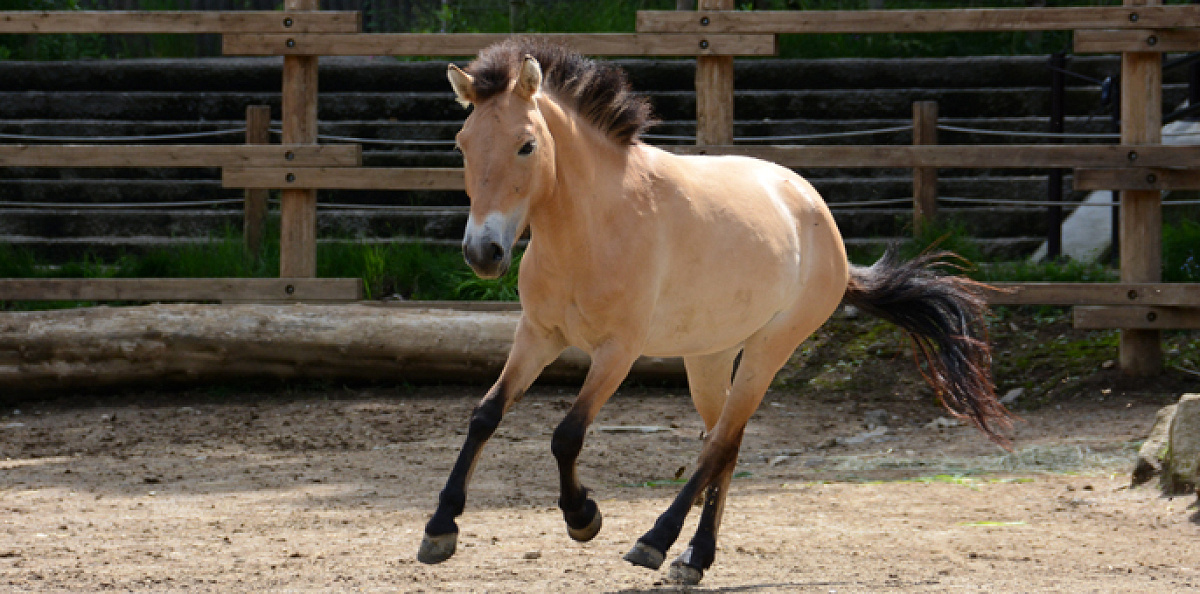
{"points": [[610, 365], [530, 354]]}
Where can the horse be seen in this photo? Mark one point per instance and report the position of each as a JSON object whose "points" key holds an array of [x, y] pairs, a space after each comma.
{"points": [[637, 251]]}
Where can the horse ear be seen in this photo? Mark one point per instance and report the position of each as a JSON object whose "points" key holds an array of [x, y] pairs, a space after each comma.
{"points": [[464, 85], [530, 78]]}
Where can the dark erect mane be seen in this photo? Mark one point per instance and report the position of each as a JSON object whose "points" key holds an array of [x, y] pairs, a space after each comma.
{"points": [[598, 92]]}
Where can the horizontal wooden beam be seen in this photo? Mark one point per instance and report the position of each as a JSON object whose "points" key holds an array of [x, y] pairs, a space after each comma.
{"points": [[1150, 318], [916, 21], [1039, 156], [1137, 178], [468, 44], [341, 178], [201, 155], [1144, 294], [113, 21], [1137, 40], [181, 289]]}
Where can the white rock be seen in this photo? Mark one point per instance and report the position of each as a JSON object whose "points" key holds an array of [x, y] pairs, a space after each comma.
{"points": [[1012, 396], [942, 423]]}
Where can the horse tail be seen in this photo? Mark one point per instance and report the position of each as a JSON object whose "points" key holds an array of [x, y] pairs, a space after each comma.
{"points": [[944, 315]]}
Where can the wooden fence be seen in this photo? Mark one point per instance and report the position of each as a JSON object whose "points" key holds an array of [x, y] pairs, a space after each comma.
{"points": [[1139, 166]]}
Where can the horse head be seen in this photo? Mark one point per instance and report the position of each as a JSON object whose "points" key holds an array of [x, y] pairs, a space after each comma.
{"points": [[508, 162]]}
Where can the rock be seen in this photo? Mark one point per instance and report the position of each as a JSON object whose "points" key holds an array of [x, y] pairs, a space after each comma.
{"points": [[942, 423], [863, 437], [630, 428], [1011, 396], [875, 418], [1150, 456], [777, 460], [1181, 469], [531, 555]]}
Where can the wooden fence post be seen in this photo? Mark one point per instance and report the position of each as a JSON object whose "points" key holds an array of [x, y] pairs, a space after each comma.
{"points": [[925, 179], [1141, 211], [254, 211], [298, 208], [714, 91]]}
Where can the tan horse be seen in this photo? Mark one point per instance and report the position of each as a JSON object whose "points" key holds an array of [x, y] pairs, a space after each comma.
{"points": [[636, 251]]}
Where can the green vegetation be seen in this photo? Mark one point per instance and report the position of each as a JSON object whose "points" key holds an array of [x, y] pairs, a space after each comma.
{"points": [[410, 271]]}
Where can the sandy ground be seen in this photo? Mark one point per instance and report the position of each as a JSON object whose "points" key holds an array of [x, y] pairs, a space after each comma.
{"points": [[328, 490]]}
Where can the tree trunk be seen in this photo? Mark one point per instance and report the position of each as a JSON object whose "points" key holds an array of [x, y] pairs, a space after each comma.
{"points": [[156, 344]]}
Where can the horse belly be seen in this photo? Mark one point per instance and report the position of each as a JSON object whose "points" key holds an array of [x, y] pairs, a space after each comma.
{"points": [[718, 310]]}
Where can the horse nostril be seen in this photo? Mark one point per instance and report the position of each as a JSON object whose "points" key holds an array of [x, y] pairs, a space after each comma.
{"points": [[497, 251]]}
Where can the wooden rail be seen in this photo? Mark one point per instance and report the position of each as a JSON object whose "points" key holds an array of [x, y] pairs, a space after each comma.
{"points": [[341, 178], [468, 44], [1141, 294], [114, 21], [1011, 156], [182, 289], [916, 21], [200, 155]]}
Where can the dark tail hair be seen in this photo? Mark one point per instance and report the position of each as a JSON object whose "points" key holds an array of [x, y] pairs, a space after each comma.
{"points": [[945, 317]]}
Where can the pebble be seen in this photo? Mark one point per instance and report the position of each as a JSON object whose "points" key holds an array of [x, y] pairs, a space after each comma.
{"points": [[532, 555]]}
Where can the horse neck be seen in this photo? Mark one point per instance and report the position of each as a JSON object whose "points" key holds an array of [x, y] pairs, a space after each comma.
{"points": [[586, 160]]}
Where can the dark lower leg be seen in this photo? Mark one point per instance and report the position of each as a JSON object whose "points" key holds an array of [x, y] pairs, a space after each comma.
{"points": [[578, 510], [714, 462], [703, 547], [484, 420]]}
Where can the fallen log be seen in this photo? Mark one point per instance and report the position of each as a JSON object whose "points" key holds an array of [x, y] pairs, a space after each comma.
{"points": [[180, 343]]}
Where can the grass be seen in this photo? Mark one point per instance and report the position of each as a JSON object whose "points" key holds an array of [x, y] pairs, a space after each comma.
{"points": [[406, 271]]}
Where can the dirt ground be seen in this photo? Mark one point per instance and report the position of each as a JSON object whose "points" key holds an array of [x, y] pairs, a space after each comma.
{"points": [[327, 488]]}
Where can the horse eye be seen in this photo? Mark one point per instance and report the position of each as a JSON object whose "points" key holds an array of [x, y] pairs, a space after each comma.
{"points": [[526, 148]]}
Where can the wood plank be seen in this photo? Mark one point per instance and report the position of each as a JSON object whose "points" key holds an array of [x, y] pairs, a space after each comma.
{"points": [[925, 179], [1137, 40], [1137, 178], [916, 21], [1137, 318], [181, 289], [1141, 210], [298, 207], [343, 178], [113, 21], [959, 156], [254, 209], [714, 91], [201, 155], [1157, 294], [469, 44]]}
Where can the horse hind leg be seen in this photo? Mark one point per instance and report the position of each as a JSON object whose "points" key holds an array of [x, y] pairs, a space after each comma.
{"points": [[709, 380], [763, 356]]}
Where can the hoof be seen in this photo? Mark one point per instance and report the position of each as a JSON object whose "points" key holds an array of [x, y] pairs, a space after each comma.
{"points": [[682, 573], [435, 549], [587, 532], [645, 556]]}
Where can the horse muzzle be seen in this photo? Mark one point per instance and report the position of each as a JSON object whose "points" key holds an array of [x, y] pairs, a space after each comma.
{"points": [[487, 246], [486, 256]]}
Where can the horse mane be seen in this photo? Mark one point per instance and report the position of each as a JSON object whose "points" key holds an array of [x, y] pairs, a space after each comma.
{"points": [[598, 92]]}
